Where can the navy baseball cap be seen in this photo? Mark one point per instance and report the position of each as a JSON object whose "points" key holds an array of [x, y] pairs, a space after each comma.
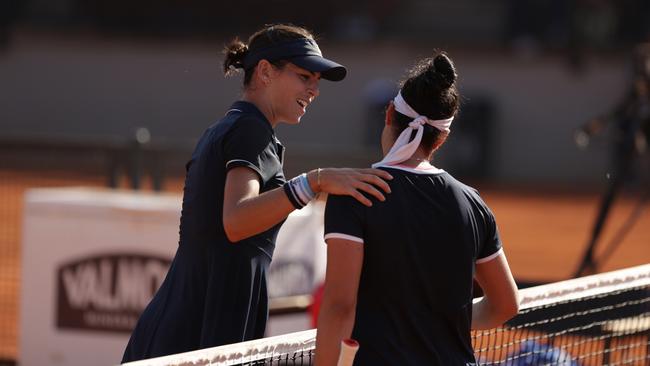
{"points": [[302, 52]]}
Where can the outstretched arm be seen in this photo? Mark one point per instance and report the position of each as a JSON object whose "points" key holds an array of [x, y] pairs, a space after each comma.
{"points": [[351, 182], [501, 300], [246, 212]]}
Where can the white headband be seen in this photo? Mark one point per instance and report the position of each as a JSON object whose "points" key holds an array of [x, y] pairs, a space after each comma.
{"points": [[403, 149]]}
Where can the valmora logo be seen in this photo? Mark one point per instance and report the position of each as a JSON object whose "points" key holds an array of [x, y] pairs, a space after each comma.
{"points": [[107, 292]]}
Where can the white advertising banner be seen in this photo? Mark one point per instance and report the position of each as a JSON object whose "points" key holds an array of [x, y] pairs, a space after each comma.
{"points": [[92, 259]]}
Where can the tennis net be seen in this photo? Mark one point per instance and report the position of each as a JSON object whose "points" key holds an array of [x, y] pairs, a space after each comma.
{"points": [[595, 320]]}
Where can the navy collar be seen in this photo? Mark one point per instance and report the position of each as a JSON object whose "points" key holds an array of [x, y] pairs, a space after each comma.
{"points": [[248, 107]]}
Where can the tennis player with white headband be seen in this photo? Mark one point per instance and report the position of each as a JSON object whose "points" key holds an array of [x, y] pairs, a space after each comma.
{"points": [[400, 273]]}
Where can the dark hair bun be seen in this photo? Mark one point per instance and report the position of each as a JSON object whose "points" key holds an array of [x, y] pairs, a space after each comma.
{"points": [[235, 53], [430, 87], [442, 71]]}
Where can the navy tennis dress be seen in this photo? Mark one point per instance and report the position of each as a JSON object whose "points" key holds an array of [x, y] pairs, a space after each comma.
{"points": [[215, 291], [414, 304]]}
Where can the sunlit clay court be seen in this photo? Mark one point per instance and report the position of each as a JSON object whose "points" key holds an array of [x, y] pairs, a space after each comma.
{"points": [[402, 183]]}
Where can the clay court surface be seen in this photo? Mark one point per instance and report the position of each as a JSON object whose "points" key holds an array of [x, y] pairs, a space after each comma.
{"points": [[544, 232]]}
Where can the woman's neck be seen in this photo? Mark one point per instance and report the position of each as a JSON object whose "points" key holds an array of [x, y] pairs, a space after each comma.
{"points": [[414, 163], [418, 158], [262, 104]]}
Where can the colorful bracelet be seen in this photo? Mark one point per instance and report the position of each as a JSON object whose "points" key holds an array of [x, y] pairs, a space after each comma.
{"points": [[298, 191]]}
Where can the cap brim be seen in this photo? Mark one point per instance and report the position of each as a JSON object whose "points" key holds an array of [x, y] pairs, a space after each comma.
{"points": [[329, 70]]}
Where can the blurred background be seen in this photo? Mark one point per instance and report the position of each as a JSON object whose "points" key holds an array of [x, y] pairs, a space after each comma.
{"points": [[552, 131]]}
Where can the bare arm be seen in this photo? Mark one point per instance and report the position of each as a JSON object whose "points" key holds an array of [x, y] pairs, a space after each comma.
{"points": [[336, 318], [501, 300], [246, 212]]}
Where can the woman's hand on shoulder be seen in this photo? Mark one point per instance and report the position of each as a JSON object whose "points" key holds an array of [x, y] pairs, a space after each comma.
{"points": [[351, 182]]}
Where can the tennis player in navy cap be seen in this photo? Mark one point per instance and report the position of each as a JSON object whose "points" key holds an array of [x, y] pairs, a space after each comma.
{"points": [[236, 197], [400, 273]]}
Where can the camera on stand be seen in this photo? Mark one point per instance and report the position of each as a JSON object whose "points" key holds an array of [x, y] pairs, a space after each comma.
{"points": [[629, 124]]}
